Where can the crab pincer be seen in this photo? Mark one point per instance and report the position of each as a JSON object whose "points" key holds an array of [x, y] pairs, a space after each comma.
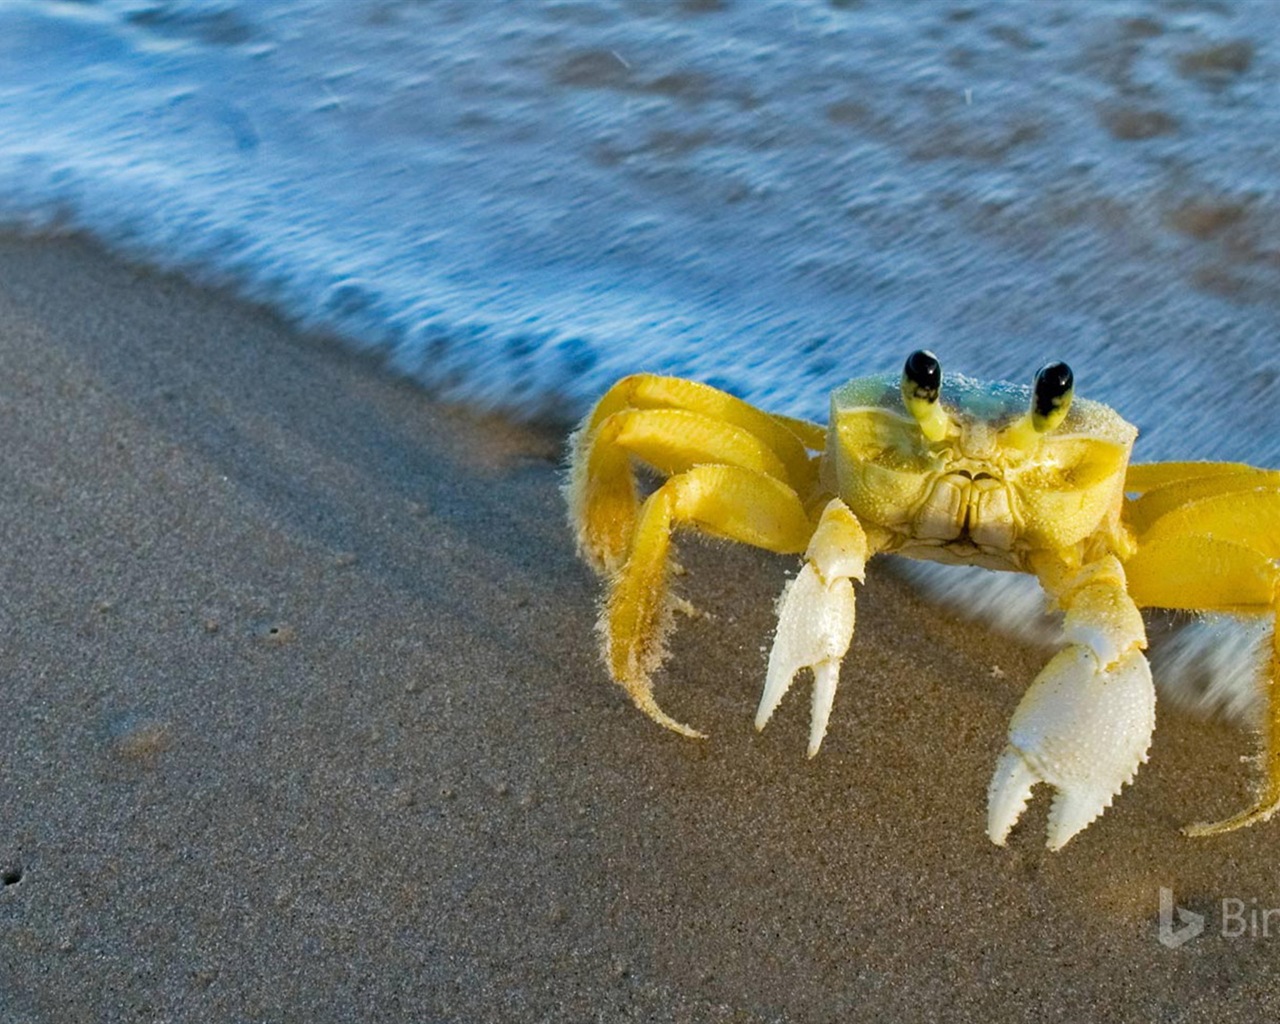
{"points": [[1084, 731], [1085, 723], [816, 617]]}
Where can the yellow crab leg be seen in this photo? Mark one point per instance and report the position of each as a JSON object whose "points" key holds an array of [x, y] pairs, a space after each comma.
{"points": [[1247, 514], [649, 391], [715, 428], [1212, 553], [1185, 561], [1267, 801], [1145, 476], [724, 501], [602, 493], [1201, 574], [1217, 478], [812, 435]]}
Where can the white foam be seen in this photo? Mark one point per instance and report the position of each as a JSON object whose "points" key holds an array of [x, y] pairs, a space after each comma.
{"points": [[521, 202]]}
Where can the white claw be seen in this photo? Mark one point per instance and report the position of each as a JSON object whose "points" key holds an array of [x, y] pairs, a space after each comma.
{"points": [[1083, 729], [815, 625], [1008, 794], [825, 676]]}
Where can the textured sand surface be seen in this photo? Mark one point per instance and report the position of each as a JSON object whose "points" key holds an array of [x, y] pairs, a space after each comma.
{"points": [[303, 721]]}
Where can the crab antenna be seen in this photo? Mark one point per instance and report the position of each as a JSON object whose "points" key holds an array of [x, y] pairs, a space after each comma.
{"points": [[1051, 397], [921, 384]]}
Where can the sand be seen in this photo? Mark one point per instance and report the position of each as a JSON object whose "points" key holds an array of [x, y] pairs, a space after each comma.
{"points": [[303, 720]]}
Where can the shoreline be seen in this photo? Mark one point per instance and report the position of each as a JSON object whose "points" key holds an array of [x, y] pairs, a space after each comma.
{"points": [[305, 721]]}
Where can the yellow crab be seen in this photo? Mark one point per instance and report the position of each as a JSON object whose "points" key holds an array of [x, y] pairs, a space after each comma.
{"points": [[1000, 475]]}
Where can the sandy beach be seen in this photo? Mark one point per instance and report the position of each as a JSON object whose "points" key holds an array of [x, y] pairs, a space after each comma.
{"points": [[304, 721]]}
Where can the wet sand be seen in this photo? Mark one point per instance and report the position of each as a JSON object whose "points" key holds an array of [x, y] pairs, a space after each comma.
{"points": [[303, 720]]}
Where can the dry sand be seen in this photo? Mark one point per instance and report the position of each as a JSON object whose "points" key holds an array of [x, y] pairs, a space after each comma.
{"points": [[303, 721]]}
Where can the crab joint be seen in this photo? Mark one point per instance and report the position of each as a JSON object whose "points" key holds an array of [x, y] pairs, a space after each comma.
{"points": [[921, 383]]}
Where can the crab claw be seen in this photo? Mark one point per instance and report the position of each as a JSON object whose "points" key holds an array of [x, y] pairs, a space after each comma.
{"points": [[815, 625], [815, 618], [1082, 727]]}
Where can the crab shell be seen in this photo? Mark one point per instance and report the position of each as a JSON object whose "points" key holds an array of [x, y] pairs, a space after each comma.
{"points": [[992, 491]]}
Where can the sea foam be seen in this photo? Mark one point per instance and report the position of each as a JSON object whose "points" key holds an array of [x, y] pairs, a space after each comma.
{"points": [[519, 202]]}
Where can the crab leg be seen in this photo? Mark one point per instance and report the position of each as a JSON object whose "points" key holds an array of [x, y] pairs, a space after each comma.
{"points": [[725, 501], [816, 617], [1166, 487], [1085, 723], [789, 437], [1267, 801], [671, 425], [1218, 551], [1142, 477], [672, 441]]}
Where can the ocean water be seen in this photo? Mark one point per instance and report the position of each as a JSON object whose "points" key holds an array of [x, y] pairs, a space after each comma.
{"points": [[519, 201]]}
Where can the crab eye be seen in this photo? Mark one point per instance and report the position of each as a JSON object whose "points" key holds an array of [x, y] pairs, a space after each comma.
{"points": [[924, 372], [921, 383], [1054, 387]]}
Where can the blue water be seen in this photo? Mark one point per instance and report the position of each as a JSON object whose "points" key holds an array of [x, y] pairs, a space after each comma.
{"points": [[520, 201]]}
